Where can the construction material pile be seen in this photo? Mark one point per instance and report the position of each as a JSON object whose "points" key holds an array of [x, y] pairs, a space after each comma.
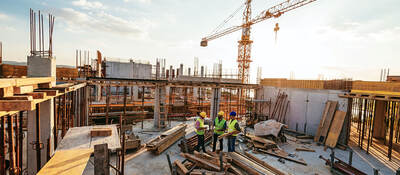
{"points": [[223, 163], [192, 142], [166, 139], [280, 108]]}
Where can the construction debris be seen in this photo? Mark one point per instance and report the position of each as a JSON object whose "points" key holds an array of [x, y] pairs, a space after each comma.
{"points": [[166, 139]]}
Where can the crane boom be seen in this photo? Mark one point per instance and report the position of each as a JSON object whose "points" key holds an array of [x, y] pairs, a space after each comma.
{"points": [[274, 11]]}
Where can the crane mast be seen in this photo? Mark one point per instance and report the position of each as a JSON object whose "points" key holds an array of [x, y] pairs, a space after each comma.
{"points": [[244, 48]]}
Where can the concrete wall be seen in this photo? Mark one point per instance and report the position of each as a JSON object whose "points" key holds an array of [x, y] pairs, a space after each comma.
{"points": [[128, 70], [305, 107]]}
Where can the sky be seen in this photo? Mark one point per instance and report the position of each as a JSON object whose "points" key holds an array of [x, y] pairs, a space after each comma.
{"points": [[327, 39]]}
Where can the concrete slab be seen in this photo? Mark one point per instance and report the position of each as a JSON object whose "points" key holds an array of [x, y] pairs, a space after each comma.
{"points": [[148, 163]]}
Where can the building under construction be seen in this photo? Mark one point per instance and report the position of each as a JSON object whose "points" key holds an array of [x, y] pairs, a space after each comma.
{"points": [[121, 116]]}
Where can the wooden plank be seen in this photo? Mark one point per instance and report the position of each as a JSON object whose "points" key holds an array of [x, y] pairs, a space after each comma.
{"points": [[336, 128], [48, 92], [23, 89], [245, 167], [67, 162], [260, 139], [6, 92], [7, 82], [36, 95], [45, 85], [321, 123], [22, 97], [182, 170], [327, 122], [265, 164], [283, 157], [305, 149], [16, 105], [95, 132], [170, 142], [200, 162], [249, 163], [32, 81]]}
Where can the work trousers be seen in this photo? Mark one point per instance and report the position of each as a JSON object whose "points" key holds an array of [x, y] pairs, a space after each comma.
{"points": [[231, 143], [200, 143], [221, 142]]}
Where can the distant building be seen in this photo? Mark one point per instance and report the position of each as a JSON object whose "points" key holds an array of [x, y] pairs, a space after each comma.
{"points": [[129, 70]]}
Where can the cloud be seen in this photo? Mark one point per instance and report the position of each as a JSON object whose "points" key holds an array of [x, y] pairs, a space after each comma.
{"points": [[3, 16], [103, 22], [7, 28], [141, 1], [85, 4]]}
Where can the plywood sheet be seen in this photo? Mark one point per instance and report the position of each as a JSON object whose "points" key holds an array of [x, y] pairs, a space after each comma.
{"points": [[336, 128], [321, 123], [327, 122], [67, 162]]}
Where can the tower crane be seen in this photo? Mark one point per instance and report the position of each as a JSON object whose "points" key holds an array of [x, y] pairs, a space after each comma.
{"points": [[244, 47]]}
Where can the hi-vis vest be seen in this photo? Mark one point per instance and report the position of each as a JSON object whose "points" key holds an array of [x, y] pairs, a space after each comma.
{"points": [[219, 125], [231, 126], [201, 121]]}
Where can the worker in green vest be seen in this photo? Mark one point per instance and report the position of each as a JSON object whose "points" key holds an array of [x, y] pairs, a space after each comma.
{"points": [[200, 129], [233, 130], [219, 128]]}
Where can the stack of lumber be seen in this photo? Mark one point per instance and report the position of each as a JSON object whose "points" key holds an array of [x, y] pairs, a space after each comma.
{"points": [[192, 141], [8, 70], [231, 163], [252, 165], [202, 162], [330, 125], [261, 143], [166, 139], [279, 110], [66, 73]]}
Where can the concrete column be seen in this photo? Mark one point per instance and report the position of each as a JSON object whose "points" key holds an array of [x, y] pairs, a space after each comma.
{"points": [[159, 106], [135, 93], [195, 92], [181, 70], [98, 87], [156, 107], [40, 67], [216, 97]]}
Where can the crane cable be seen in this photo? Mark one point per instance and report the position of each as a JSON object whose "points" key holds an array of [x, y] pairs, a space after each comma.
{"points": [[227, 19]]}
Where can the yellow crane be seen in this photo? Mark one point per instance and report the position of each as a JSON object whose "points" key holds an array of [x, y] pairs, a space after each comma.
{"points": [[244, 47]]}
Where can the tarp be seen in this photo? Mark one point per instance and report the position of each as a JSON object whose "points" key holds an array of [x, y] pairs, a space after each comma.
{"points": [[269, 127]]}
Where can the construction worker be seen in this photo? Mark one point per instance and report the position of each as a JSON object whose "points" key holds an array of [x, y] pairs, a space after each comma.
{"points": [[219, 128], [200, 129], [233, 130]]}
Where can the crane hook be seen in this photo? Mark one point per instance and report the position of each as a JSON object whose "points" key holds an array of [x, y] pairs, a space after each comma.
{"points": [[276, 31]]}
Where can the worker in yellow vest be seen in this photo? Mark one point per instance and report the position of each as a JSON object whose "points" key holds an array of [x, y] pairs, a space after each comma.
{"points": [[200, 129], [233, 130], [219, 128]]}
